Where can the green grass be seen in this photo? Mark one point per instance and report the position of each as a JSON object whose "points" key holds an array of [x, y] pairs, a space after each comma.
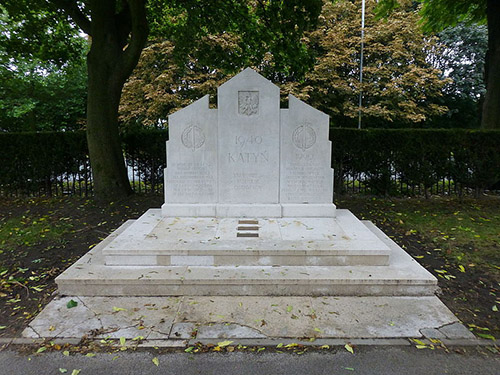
{"points": [[466, 231], [26, 231], [470, 234]]}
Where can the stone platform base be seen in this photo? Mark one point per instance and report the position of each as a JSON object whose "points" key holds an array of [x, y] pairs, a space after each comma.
{"points": [[89, 276], [154, 240]]}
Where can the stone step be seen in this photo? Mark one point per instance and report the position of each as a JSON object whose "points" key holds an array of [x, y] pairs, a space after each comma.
{"points": [[402, 277], [154, 240]]}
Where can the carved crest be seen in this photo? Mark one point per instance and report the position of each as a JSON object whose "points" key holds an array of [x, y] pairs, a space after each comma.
{"points": [[248, 103]]}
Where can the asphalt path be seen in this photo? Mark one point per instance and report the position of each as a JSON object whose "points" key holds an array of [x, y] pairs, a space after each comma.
{"points": [[384, 360]]}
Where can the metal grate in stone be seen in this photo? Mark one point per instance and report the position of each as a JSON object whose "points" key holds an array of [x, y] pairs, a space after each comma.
{"points": [[253, 227], [248, 222], [247, 228], [247, 234]]}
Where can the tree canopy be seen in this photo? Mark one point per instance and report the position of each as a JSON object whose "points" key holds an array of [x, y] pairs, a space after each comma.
{"points": [[402, 88], [439, 14]]}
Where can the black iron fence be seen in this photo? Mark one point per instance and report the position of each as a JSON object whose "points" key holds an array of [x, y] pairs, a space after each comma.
{"points": [[381, 162]]}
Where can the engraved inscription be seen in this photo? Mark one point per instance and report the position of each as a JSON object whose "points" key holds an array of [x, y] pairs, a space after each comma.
{"points": [[243, 140], [193, 137], [304, 181], [304, 137], [192, 179], [248, 181], [248, 103], [248, 157]]}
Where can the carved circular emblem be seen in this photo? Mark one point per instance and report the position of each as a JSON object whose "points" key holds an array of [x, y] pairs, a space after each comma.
{"points": [[193, 137], [304, 137]]}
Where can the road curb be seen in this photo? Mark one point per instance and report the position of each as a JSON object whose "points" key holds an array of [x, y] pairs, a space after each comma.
{"points": [[263, 342]]}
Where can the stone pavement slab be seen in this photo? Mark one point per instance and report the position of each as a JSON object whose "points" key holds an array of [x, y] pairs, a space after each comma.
{"points": [[245, 317]]}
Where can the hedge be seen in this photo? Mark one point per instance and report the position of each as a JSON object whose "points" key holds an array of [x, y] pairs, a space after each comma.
{"points": [[381, 161], [32, 162], [470, 159]]}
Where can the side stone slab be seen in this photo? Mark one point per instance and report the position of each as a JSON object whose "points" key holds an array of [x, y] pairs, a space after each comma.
{"points": [[191, 175], [306, 176]]}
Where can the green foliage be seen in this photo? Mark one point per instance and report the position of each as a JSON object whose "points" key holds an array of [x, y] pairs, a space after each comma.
{"points": [[158, 86], [439, 14], [259, 28], [34, 30], [40, 97], [43, 82], [462, 61]]}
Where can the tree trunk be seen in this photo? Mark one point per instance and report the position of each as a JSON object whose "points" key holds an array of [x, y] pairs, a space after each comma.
{"points": [[117, 42], [105, 151], [491, 107]]}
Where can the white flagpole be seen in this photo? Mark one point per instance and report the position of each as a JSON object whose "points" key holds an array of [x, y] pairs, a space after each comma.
{"points": [[361, 62]]}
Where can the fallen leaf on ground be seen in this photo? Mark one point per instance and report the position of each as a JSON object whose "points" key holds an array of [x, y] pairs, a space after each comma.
{"points": [[224, 343], [486, 336], [349, 348]]}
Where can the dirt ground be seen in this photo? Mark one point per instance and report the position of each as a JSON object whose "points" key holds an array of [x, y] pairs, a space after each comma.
{"points": [[41, 237]]}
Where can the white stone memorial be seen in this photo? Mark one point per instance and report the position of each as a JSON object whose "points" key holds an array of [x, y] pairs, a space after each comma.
{"points": [[248, 157], [248, 211]]}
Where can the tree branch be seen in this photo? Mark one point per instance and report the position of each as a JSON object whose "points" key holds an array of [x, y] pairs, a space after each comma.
{"points": [[139, 36], [72, 10]]}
